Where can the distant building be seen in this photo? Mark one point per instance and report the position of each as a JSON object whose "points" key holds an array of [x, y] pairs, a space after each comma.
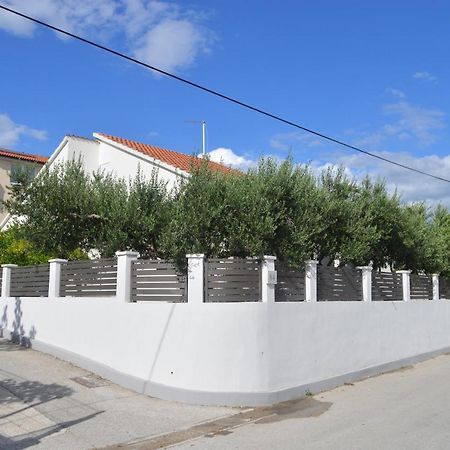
{"points": [[123, 158], [11, 163]]}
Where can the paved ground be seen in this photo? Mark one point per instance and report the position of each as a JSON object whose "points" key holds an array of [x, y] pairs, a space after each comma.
{"points": [[406, 409], [42, 407]]}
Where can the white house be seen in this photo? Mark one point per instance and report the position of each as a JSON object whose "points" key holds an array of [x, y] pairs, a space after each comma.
{"points": [[123, 158]]}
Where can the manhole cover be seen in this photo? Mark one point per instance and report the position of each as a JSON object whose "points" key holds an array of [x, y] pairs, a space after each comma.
{"points": [[91, 381]]}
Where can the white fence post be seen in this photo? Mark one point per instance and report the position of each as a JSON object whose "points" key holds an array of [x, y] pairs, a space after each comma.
{"points": [[196, 274], [435, 281], [268, 279], [54, 282], [311, 281], [124, 262], [406, 284], [366, 281], [6, 279]]}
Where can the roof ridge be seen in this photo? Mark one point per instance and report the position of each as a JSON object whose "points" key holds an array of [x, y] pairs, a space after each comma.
{"points": [[110, 136], [18, 155], [173, 158]]}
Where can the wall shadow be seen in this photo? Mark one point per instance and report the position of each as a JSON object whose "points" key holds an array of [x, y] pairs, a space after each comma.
{"points": [[31, 439], [18, 334]]}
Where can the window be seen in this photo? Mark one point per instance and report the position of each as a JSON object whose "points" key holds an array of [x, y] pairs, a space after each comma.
{"points": [[20, 173]]}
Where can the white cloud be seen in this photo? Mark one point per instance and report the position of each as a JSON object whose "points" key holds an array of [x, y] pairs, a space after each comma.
{"points": [[11, 132], [229, 158], [425, 76], [412, 186], [287, 141], [414, 123], [396, 93], [161, 33], [171, 45], [72, 15]]}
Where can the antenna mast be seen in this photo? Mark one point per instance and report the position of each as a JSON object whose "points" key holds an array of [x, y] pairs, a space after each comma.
{"points": [[203, 122], [204, 137]]}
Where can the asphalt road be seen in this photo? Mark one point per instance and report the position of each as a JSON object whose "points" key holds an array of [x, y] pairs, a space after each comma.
{"points": [[405, 409]]}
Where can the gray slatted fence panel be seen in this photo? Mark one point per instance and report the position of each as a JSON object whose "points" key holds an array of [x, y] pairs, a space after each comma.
{"points": [[387, 286], [421, 287], [89, 278], [290, 285], [30, 281], [338, 284], [232, 280], [155, 280], [444, 288]]}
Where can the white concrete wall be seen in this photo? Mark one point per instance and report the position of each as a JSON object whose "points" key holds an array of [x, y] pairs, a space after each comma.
{"points": [[247, 353], [126, 164], [76, 148], [99, 155]]}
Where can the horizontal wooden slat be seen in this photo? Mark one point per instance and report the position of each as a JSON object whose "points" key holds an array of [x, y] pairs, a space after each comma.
{"points": [[161, 291], [90, 294], [88, 271], [158, 277], [89, 278], [154, 280], [232, 280]]}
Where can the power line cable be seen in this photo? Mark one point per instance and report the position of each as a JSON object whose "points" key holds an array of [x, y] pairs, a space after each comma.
{"points": [[220, 95]]}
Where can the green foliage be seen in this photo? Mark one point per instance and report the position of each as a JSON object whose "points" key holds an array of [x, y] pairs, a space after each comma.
{"points": [[15, 249], [281, 209], [77, 255], [67, 210]]}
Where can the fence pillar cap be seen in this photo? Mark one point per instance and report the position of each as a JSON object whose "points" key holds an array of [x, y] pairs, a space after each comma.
{"points": [[435, 274], [269, 257], [403, 271], [127, 253], [57, 260], [364, 267], [9, 265], [195, 255]]}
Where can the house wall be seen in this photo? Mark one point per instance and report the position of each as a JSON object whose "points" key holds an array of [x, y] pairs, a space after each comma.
{"points": [[75, 149], [126, 164], [231, 353], [6, 165], [98, 155]]}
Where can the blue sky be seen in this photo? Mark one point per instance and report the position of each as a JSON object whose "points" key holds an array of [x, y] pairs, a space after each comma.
{"points": [[375, 74]]}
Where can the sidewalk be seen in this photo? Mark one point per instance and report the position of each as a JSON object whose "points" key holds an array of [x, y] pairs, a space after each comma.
{"points": [[46, 403], [49, 404]]}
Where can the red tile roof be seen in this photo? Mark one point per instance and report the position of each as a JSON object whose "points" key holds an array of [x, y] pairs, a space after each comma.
{"points": [[179, 160], [23, 156]]}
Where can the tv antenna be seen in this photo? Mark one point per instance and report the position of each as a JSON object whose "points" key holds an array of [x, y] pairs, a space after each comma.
{"points": [[203, 122]]}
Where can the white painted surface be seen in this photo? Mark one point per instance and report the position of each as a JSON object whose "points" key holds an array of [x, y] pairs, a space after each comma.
{"points": [[196, 274], [6, 279], [233, 348], [268, 284], [435, 283], [406, 284], [366, 282], [73, 149], [311, 281], [125, 163], [124, 272], [54, 282]]}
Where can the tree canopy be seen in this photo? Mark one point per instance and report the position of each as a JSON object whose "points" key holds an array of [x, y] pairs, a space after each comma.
{"points": [[278, 208]]}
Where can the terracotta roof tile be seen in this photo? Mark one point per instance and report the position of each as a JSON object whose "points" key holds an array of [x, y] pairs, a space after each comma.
{"points": [[23, 156], [179, 160]]}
